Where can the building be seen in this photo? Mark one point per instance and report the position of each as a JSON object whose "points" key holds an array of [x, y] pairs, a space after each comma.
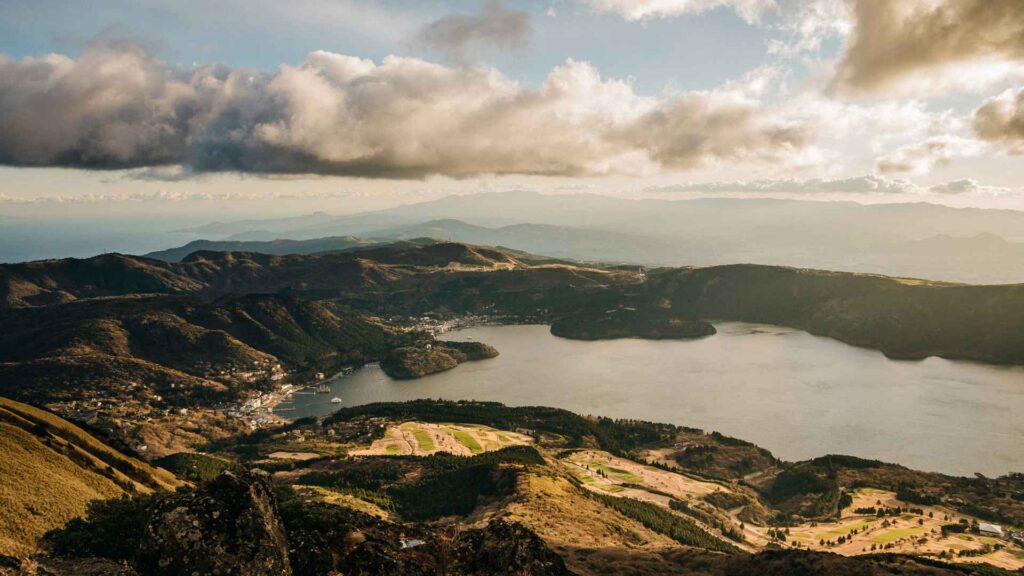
{"points": [[990, 529]]}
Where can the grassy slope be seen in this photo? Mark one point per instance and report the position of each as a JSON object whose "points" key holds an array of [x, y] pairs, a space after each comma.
{"points": [[52, 469]]}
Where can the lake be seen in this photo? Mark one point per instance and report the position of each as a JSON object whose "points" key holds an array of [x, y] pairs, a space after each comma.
{"points": [[798, 395]]}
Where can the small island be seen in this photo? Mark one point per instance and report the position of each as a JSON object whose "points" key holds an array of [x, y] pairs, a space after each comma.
{"points": [[629, 323], [409, 362]]}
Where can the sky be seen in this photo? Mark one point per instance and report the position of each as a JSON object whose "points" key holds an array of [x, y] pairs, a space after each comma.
{"points": [[256, 107]]}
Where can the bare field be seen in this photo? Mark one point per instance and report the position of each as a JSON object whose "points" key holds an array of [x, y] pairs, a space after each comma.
{"points": [[910, 533], [605, 470], [919, 534]]}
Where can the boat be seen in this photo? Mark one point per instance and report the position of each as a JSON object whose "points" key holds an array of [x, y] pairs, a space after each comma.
{"points": [[335, 400], [323, 388]]}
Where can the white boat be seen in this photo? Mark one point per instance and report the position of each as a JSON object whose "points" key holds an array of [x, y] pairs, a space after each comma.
{"points": [[335, 400]]}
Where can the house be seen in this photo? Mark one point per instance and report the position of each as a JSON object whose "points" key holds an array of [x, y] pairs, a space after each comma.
{"points": [[990, 529]]}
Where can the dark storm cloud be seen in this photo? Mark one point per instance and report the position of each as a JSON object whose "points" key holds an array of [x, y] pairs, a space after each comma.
{"points": [[1000, 120], [456, 36]]}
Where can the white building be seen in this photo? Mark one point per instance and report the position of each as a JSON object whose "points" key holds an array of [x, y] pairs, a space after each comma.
{"points": [[990, 529]]}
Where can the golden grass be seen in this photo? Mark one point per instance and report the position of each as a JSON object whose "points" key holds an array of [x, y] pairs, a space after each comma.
{"points": [[574, 524], [52, 469]]}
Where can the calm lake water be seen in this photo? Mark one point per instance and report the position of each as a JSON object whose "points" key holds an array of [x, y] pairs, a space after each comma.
{"points": [[796, 394]]}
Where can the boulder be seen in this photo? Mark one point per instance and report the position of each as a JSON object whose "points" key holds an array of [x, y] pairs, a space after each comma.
{"points": [[228, 526]]}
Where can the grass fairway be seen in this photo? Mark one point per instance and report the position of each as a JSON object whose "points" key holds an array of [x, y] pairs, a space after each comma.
{"points": [[622, 475], [467, 440], [894, 535], [423, 440], [844, 530], [393, 449]]}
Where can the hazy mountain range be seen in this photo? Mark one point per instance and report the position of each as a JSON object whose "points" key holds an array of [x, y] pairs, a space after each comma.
{"points": [[914, 240]]}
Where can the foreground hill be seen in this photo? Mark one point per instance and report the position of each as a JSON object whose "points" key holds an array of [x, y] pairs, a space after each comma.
{"points": [[477, 488], [52, 469]]}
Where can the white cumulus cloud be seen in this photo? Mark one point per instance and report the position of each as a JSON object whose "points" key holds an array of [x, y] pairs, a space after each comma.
{"points": [[749, 10]]}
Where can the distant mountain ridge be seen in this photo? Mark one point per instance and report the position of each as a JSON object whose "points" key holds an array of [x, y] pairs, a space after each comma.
{"points": [[277, 247], [214, 273], [889, 239]]}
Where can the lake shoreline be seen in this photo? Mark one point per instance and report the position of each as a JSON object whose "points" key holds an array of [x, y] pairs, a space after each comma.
{"points": [[796, 394]]}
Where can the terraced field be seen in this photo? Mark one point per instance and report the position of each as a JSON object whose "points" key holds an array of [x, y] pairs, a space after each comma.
{"points": [[422, 438]]}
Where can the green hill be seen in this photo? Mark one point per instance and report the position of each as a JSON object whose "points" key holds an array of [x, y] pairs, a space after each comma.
{"points": [[182, 349], [903, 318]]}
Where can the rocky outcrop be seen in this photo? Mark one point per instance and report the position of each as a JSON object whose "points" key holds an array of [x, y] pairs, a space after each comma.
{"points": [[77, 567], [228, 526], [506, 547], [415, 362]]}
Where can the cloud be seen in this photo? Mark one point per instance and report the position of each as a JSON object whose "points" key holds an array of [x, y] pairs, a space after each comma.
{"points": [[456, 35], [869, 184], [634, 10], [170, 196], [972, 187], [931, 45], [1000, 120], [117, 107], [807, 25], [923, 157]]}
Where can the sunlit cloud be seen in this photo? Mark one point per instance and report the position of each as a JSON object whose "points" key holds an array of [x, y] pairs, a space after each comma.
{"points": [[931, 46], [925, 156]]}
